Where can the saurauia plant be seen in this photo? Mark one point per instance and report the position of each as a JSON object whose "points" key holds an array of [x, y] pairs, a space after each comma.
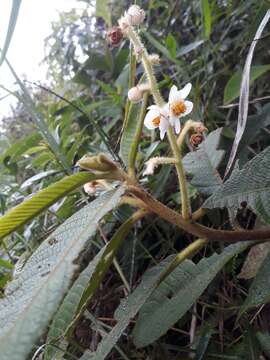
{"points": [[55, 291]]}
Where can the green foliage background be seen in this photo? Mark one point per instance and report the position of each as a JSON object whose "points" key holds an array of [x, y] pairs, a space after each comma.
{"points": [[206, 43]]}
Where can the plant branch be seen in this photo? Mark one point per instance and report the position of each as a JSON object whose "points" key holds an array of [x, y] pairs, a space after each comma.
{"points": [[201, 231], [181, 175]]}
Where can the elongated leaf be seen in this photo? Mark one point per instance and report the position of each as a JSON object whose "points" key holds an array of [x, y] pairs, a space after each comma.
{"points": [[129, 132], [68, 308], [232, 88], [37, 177], [264, 340], [174, 296], [184, 50], [254, 260], [128, 308], [103, 11], [87, 283], [244, 94], [203, 164], [30, 208], [11, 27], [159, 46], [20, 147], [34, 296], [39, 121], [259, 291], [207, 19], [251, 184]]}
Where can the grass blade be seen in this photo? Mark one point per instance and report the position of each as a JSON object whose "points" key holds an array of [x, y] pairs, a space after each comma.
{"points": [[11, 27], [40, 122], [244, 94]]}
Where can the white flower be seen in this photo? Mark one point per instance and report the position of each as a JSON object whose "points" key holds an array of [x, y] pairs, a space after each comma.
{"points": [[178, 106], [157, 118]]}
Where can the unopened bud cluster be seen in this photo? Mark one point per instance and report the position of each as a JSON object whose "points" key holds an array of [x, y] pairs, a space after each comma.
{"points": [[133, 17]]}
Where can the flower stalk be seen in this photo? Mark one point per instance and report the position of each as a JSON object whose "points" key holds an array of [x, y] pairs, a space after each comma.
{"points": [[142, 53]]}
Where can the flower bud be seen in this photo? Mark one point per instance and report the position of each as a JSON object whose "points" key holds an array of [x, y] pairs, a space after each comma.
{"points": [[135, 15], [91, 187], [123, 23], [154, 59], [97, 163], [196, 139], [135, 94], [115, 36], [199, 127]]}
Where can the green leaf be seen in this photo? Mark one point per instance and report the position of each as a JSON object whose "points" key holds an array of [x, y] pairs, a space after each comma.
{"points": [[264, 341], [11, 27], [34, 296], [30, 208], [184, 50], [87, 283], [176, 294], [251, 184], [40, 122], [129, 308], [232, 88], [207, 19], [102, 10], [17, 149], [159, 46], [171, 45], [203, 164], [129, 131], [6, 264], [259, 291]]}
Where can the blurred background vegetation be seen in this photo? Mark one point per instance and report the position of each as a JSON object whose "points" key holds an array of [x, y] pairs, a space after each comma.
{"points": [[83, 104]]}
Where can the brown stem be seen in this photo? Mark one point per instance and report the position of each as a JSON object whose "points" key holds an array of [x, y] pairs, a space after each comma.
{"points": [[173, 217]]}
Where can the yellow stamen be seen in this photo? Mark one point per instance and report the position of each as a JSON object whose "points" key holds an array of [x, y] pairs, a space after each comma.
{"points": [[156, 121], [178, 108]]}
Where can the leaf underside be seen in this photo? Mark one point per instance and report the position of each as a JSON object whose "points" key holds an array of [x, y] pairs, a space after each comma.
{"points": [[203, 164], [33, 297], [174, 296], [250, 184]]}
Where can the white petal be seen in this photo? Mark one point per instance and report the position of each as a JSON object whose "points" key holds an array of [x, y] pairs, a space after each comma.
{"points": [[189, 107], [172, 93], [177, 126], [163, 127], [154, 107], [152, 114], [172, 119], [183, 93], [165, 110]]}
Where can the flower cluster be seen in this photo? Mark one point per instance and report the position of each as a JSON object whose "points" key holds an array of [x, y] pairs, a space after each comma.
{"points": [[171, 112], [160, 116]]}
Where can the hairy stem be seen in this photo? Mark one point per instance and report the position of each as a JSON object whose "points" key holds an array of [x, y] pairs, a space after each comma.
{"points": [[141, 51], [181, 175], [201, 231]]}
